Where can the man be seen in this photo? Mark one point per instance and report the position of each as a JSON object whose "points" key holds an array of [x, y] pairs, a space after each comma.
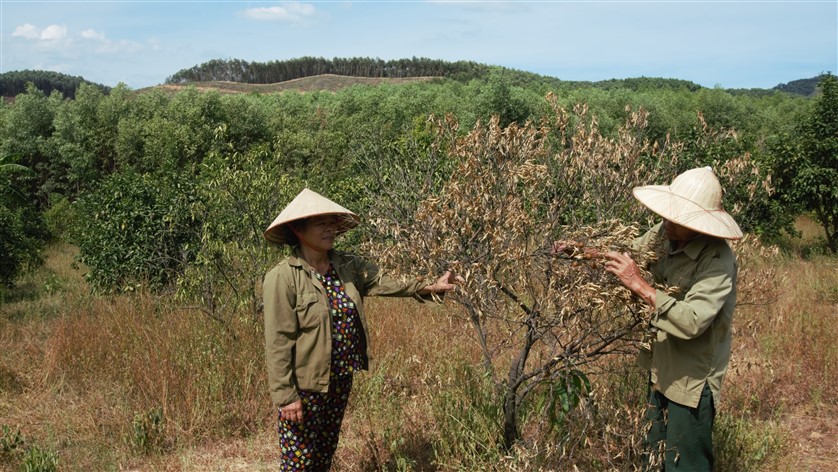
{"points": [[690, 353]]}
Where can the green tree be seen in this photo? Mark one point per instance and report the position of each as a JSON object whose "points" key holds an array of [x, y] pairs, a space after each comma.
{"points": [[25, 132], [807, 170], [21, 230], [239, 195], [79, 141]]}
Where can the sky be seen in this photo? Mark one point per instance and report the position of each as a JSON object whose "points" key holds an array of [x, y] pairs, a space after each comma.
{"points": [[719, 43]]}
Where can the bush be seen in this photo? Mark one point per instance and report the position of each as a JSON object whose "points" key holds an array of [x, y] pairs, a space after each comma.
{"points": [[148, 431], [20, 245], [59, 218], [135, 229]]}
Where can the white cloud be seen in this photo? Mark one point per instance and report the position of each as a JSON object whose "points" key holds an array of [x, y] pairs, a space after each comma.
{"points": [[93, 34], [27, 31], [53, 37], [104, 45], [54, 33], [290, 12]]}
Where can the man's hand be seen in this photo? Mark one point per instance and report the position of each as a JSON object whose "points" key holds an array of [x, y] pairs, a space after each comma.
{"points": [[624, 267]]}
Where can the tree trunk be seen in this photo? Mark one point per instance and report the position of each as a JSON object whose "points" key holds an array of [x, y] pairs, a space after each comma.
{"points": [[510, 419], [511, 399]]}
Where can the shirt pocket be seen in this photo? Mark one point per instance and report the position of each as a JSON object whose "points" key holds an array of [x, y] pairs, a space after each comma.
{"points": [[681, 280], [308, 311]]}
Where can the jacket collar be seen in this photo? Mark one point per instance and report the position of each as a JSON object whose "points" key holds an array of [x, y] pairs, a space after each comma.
{"points": [[296, 258], [695, 246]]}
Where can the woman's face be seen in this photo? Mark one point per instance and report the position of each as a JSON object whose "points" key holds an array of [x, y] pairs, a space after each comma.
{"points": [[320, 232], [676, 232]]}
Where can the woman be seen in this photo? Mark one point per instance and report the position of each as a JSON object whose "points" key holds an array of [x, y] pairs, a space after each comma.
{"points": [[315, 328]]}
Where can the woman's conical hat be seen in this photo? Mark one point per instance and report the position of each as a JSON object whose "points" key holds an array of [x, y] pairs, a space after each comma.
{"points": [[693, 200], [305, 205]]}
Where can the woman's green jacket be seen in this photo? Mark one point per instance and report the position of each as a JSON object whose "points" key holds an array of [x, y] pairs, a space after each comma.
{"points": [[298, 334]]}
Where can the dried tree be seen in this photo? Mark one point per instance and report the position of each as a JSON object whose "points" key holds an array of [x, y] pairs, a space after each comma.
{"points": [[489, 205]]}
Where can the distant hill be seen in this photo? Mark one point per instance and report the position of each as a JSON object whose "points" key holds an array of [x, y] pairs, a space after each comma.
{"points": [[277, 72], [806, 87], [236, 70], [14, 82], [272, 73]]}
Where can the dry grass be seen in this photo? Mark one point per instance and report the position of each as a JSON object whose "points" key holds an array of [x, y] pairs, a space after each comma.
{"points": [[810, 242], [76, 371], [86, 373], [783, 368]]}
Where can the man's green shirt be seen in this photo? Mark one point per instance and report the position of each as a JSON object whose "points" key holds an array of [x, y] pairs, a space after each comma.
{"points": [[693, 318]]}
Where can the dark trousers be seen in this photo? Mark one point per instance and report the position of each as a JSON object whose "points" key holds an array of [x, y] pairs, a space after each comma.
{"points": [[680, 438]]}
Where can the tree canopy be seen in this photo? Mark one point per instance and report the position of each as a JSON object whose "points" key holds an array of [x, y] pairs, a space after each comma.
{"points": [[14, 82]]}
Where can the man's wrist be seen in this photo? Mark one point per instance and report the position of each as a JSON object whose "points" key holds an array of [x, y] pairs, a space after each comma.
{"points": [[643, 290]]}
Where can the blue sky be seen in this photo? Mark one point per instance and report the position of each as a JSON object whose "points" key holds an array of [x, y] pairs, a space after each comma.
{"points": [[732, 44]]}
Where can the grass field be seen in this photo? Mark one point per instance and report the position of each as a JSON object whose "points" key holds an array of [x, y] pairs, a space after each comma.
{"points": [[132, 382]]}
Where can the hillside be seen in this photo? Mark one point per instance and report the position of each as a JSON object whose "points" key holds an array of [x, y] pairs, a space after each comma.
{"points": [[806, 87], [325, 82], [13, 83]]}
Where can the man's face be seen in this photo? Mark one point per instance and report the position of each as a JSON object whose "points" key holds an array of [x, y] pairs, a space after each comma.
{"points": [[676, 232]]}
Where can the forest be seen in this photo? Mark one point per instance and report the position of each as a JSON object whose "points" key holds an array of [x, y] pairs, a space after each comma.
{"points": [[161, 198]]}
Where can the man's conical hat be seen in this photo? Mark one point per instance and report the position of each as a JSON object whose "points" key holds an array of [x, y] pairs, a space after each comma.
{"points": [[694, 201]]}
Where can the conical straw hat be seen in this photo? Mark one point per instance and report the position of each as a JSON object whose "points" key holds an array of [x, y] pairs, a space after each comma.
{"points": [[693, 200], [307, 204]]}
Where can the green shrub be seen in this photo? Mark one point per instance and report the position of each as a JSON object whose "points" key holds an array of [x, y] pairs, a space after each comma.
{"points": [[148, 431], [134, 229], [39, 460], [20, 244], [59, 218]]}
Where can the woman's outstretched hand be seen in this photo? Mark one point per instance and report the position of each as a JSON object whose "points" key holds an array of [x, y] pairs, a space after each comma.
{"points": [[292, 411], [446, 283]]}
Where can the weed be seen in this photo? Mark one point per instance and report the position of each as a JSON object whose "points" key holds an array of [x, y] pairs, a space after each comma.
{"points": [[11, 442], [467, 416], [744, 445], [32, 458], [39, 460], [147, 432]]}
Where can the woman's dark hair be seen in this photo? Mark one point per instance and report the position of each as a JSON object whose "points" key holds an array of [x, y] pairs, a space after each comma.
{"points": [[297, 225]]}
